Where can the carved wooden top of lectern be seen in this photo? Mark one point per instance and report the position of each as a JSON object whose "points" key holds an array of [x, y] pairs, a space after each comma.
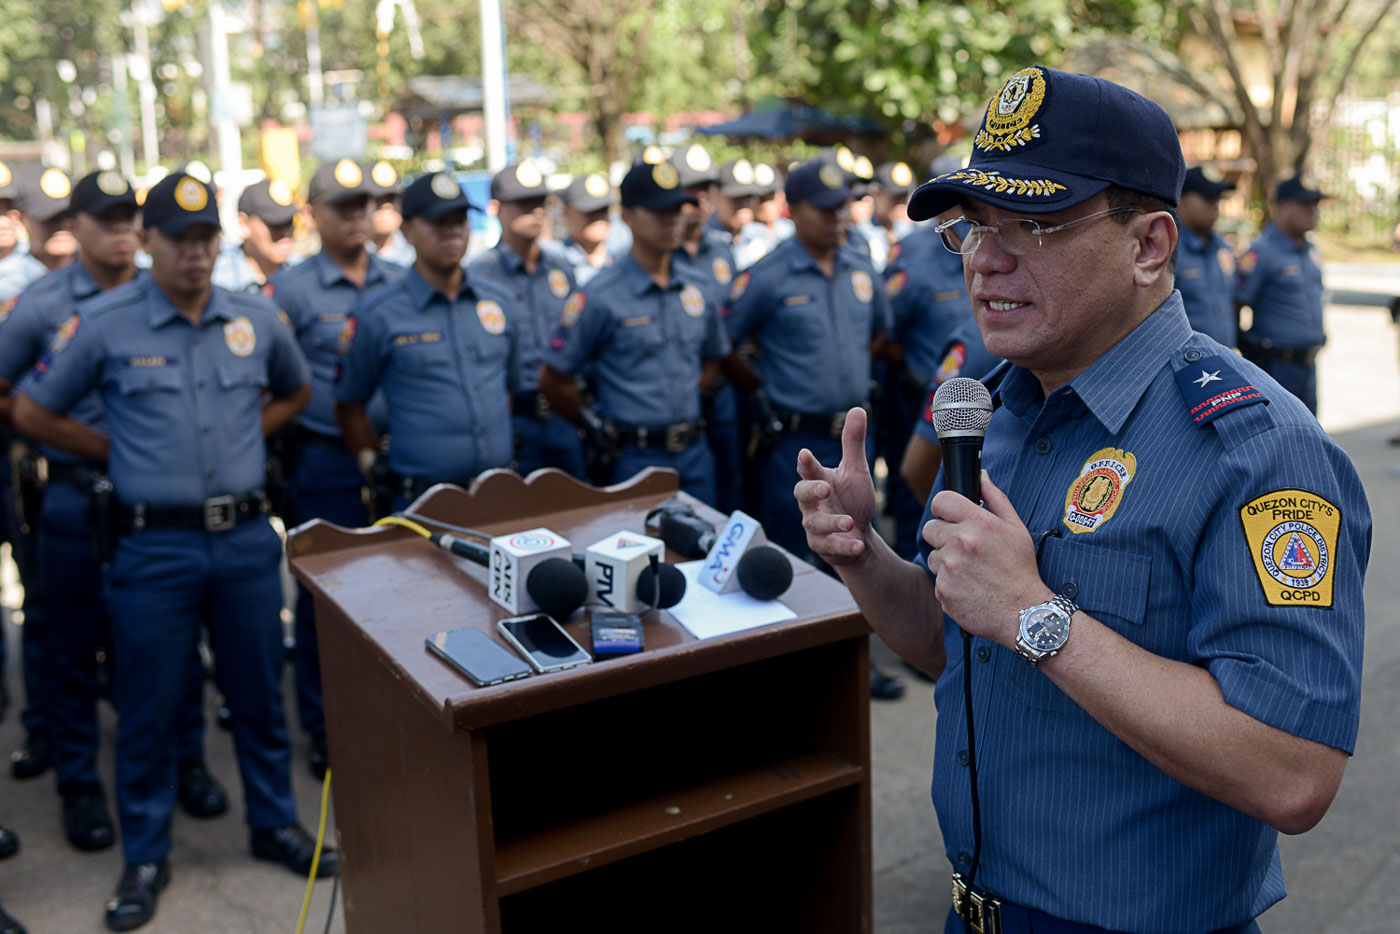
{"points": [[394, 589]]}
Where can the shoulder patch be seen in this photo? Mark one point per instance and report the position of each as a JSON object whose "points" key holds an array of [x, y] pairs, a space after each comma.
{"points": [[8, 307], [1248, 262], [1211, 386], [64, 335], [1292, 538], [741, 285], [895, 283]]}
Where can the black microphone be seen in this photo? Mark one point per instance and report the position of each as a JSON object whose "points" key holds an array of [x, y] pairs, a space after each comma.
{"points": [[555, 584], [671, 577], [764, 573], [962, 410]]}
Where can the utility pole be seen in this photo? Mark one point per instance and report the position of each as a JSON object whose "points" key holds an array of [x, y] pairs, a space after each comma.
{"points": [[493, 83], [146, 88], [229, 144]]}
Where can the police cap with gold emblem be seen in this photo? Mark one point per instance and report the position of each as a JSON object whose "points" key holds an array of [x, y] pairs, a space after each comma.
{"points": [[382, 179], [736, 179], [270, 201], [695, 166], [656, 187], [820, 183], [433, 195], [43, 193], [97, 192], [1205, 180], [8, 188], [337, 182], [520, 181], [1297, 188], [589, 193], [895, 178], [179, 202], [1050, 140]]}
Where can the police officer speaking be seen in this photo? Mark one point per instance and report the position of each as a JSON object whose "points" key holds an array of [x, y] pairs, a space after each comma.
{"points": [[1162, 600], [182, 369]]}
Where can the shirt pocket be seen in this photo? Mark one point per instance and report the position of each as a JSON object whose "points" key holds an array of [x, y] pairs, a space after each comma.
{"points": [[639, 344], [1107, 583], [134, 381]]}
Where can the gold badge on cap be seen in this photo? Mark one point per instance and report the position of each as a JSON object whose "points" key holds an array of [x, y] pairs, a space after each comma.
{"points": [[1211, 174], [191, 194], [596, 185], [347, 173], [698, 159], [240, 336], [383, 174], [845, 158], [743, 172], [492, 318], [279, 192], [558, 283], [692, 301], [528, 175], [1292, 537], [445, 186], [831, 176], [652, 155], [902, 175], [862, 167], [665, 175], [1094, 495], [861, 285], [111, 183], [5, 175], [1009, 115], [55, 184], [764, 175]]}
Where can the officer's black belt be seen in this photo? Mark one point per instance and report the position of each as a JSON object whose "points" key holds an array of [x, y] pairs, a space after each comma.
{"points": [[75, 473], [1262, 350], [311, 436], [985, 914], [672, 439], [216, 514], [830, 425], [533, 404], [410, 488]]}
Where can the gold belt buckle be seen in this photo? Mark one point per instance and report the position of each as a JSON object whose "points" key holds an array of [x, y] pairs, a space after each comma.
{"points": [[982, 913]]}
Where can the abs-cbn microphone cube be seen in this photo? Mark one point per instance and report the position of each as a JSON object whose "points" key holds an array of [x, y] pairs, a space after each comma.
{"points": [[514, 556], [613, 566]]}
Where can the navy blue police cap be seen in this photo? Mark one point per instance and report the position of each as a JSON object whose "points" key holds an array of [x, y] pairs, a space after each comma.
{"points": [[384, 179], [96, 192], [179, 202], [895, 178], [521, 181], [433, 195], [1050, 140], [337, 182], [43, 193], [1297, 188], [654, 186], [1207, 181], [589, 193], [270, 201], [695, 166], [820, 183], [8, 188]]}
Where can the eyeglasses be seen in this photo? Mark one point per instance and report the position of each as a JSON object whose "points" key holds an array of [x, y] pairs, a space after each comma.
{"points": [[1016, 236]]}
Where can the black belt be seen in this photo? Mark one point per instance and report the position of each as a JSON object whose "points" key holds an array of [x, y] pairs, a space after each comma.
{"points": [[75, 473], [216, 514], [1263, 349], [410, 488], [533, 404], [311, 436], [831, 425], [672, 439]]}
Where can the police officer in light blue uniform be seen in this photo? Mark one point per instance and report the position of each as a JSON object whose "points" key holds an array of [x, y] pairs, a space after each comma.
{"points": [[183, 369], [386, 239], [814, 308], [1157, 618], [266, 212], [1280, 279], [441, 347], [539, 284], [1205, 265], [324, 480], [588, 202], [41, 197], [651, 332]]}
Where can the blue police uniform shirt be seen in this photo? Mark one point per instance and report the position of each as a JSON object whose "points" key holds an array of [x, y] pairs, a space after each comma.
{"points": [[928, 300], [446, 367], [28, 330], [756, 240], [713, 262], [646, 345], [814, 332], [877, 242], [1282, 283], [317, 299], [184, 401], [966, 355], [537, 302], [396, 250], [577, 260], [17, 271], [1219, 526], [1205, 275]]}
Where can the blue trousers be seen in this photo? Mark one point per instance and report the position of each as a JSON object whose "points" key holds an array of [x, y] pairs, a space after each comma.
{"points": [[907, 509], [782, 519], [1297, 378], [76, 627], [696, 465], [553, 442], [327, 485], [727, 443], [165, 585]]}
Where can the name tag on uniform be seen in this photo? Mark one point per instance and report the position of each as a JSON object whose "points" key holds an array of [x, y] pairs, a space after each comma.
{"points": [[428, 337], [331, 316], [637, 321], [793, 300], [151, 360], [1291, 271], [1191, 274], [947, 296]]}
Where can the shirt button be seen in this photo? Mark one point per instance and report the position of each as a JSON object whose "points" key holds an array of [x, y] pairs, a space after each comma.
{"points": [[199, 385], [1193, 355], [204, 429], [209, 475], [1043, 445], [983, 653], [1070, 590], [962, 757], [964, 858]]}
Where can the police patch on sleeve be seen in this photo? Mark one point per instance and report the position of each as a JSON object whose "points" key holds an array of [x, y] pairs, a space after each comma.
{"points": [[740, 285], [64, 335], [1095, 494], [347, 336], [1292, 537], [1248, 262], [895, 283], [572, 309]]}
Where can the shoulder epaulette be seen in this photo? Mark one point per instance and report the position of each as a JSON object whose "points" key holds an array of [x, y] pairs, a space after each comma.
{"points": [[1212, 385]]}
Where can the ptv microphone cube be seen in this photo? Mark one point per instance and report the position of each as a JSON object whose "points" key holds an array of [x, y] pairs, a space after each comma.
{"points": [[513, 557], [739, 534], [613, 566]]}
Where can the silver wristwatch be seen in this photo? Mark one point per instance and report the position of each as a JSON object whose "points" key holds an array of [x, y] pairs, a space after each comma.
{"points": [[1044, 629]]}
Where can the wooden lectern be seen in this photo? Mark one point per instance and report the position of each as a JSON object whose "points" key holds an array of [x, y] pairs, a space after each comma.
{"points": [[719, 785]]}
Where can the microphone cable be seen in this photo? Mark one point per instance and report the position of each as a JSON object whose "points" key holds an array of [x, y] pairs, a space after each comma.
{"points": [[316, 858], [455, 529]]}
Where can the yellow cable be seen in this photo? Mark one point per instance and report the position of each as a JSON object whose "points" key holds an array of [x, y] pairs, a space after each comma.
{"points": [[406, 523], [316, 855]]}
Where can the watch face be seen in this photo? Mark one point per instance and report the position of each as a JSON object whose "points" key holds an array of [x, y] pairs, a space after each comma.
{"points": [[1045, 628]]}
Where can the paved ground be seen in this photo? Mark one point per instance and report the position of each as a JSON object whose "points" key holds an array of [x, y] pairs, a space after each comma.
{"points": [[1340, 874]]}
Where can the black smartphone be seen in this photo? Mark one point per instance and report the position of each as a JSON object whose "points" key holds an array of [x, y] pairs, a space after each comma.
{"points": [[475, 654], [543, 642]]}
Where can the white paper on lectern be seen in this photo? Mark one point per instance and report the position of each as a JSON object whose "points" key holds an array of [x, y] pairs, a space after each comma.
{"points": [[707, 614]]}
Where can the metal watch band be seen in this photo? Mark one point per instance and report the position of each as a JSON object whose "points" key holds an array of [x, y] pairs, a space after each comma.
{"points": [[1064, 604]]}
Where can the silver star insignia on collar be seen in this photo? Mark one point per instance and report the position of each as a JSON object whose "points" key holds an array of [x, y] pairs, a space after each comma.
{"points": [[1207, 378]]}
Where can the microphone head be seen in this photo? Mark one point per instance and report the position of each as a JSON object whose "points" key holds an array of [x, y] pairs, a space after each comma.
{"points": [[672, 585], [557, 586], [962, 408], [764, 573]]}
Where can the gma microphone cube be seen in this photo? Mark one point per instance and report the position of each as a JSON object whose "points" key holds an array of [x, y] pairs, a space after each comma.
{"points": [[513, 557], [739, 534], [613, 566]]}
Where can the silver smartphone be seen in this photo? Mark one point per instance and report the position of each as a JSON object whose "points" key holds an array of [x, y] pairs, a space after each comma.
{"points": [[543, 642]]}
